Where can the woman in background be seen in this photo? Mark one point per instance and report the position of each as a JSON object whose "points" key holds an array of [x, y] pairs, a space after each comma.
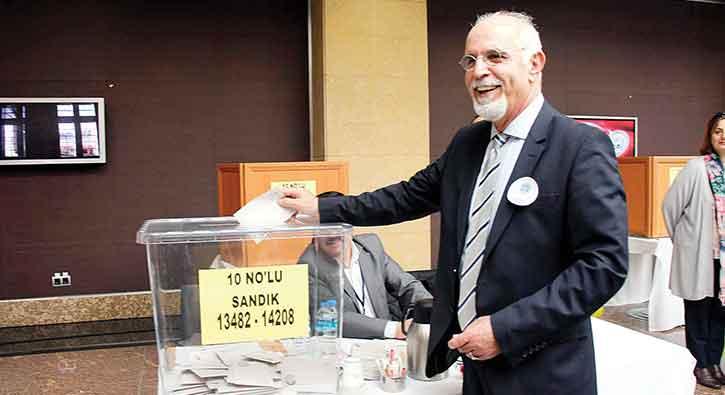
{"points": [[694, 211]]}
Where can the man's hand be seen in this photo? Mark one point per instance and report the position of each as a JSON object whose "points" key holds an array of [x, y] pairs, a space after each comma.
{"points": [[399, 330], [303, 203], [477, 341]]}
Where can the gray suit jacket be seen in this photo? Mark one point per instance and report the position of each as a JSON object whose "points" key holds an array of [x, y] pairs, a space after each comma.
{"points": [[391, 289]]}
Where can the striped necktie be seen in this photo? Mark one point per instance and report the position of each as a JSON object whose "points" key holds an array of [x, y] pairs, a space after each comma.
{"points": [[479, 226]]}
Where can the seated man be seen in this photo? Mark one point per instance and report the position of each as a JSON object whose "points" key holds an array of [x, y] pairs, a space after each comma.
{"points": [[376, 289]]}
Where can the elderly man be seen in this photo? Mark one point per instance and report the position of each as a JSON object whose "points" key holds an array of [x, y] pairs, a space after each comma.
{"points": [[533, 225]]}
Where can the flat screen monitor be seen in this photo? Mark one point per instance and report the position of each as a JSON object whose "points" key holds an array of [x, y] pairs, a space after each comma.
{"points": [[41, 131]]}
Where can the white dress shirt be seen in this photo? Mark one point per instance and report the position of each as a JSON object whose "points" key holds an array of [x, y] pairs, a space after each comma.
{"points": [[355, 276], [517, 131]]}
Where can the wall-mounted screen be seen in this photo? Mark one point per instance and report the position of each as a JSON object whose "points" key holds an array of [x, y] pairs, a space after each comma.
{"points": [[38, 131]]}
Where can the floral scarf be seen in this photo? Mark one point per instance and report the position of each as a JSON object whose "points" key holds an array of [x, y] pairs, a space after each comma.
{"points": [[717, 184]]}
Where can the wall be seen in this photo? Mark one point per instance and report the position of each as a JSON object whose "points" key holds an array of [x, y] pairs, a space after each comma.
{"points": [[194, 84], [661, 61], [370, 89]]}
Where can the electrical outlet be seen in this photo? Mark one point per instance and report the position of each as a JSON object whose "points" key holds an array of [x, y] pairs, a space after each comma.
{"points": [[60, 279]]}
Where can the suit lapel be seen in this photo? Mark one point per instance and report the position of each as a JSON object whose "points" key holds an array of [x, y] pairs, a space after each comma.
{"points": [[534, 146], [350, 292], [347, 285], [474, 154], [371, 273]]}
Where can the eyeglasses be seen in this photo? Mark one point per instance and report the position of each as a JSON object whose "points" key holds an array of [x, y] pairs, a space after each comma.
{"points": [[491, 57]]}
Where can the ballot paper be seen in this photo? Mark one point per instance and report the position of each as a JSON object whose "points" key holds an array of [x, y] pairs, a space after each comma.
{"points": [[198, 390], [271, 357], [231, 389], [215, 383], [264, 211], [174, 382], [206, 360], [191, 355], [254, 374], [311, 374], [249, 369], [210, 373], [189, 378], [229, 357]]}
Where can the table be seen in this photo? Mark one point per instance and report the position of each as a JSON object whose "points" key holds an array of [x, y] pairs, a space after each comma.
{"points": [[633, 363], [649, 279], [628, 363]]}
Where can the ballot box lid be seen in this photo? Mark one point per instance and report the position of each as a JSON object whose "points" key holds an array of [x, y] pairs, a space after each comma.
{"points": [[215, 229]]}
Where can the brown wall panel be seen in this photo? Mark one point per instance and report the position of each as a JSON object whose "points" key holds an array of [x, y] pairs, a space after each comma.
{"points": [[195, 84], [662, 61]]}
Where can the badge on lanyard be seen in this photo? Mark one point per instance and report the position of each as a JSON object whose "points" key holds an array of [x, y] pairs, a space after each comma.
{"points": [[523, 191]]}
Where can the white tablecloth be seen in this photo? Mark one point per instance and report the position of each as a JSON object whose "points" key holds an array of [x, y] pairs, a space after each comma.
{"points": [[628, 363], [632, 363], [649, 279]]}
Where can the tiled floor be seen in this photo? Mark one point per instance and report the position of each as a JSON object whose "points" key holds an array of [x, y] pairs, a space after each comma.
{"points": [[132, 370], [111, 371]]}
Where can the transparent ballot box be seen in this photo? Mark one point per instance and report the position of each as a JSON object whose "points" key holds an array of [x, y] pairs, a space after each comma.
{"points": [[246, 310]]}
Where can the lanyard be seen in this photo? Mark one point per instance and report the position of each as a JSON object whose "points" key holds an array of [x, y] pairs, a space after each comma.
{"points": [[357, 297]]}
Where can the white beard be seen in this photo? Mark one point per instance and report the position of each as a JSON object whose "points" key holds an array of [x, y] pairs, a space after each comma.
{"points": [[492, 111]]}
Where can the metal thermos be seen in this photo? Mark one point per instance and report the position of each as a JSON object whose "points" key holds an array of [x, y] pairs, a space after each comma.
{"points": [[417, 339]]}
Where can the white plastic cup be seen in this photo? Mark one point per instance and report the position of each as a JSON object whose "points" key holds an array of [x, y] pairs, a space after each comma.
{"points": [[352, 373]]}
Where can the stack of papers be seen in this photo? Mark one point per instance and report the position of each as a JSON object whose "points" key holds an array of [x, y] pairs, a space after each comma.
{"points": [[246, 369]]}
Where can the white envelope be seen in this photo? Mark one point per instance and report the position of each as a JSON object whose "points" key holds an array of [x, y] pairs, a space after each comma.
{"points": [[264, 211], [271, 357], [252, 374], [311, 375], [209, 373], [192, 391]]}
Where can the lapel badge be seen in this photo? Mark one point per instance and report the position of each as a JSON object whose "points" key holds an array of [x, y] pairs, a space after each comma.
{"points": [[523, 191]]}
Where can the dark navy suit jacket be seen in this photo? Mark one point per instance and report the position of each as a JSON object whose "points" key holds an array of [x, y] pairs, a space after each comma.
{"points": [[548, 265]]}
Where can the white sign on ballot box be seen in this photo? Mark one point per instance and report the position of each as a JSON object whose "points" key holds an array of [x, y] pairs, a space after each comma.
{"points": [[649, 279]]}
